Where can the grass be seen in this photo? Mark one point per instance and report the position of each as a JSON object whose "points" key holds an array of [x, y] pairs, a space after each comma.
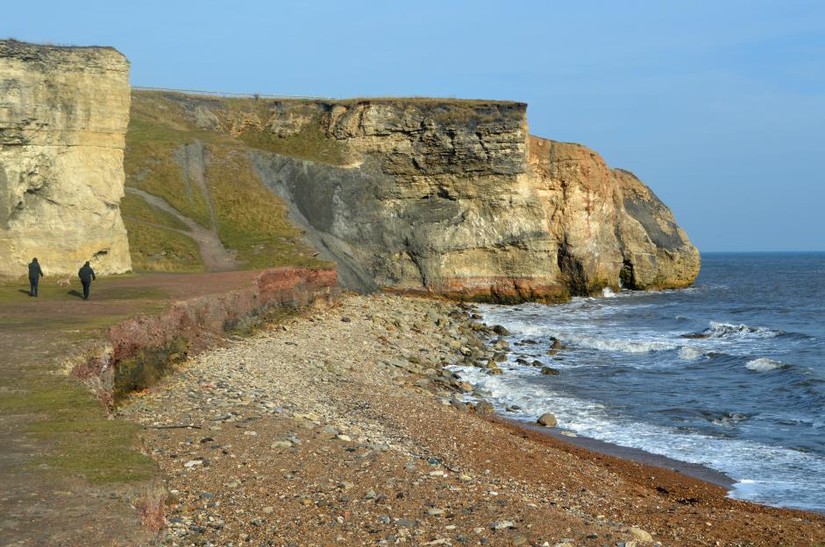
{"points": [[151, 167], [82, 441], [248, 217], [155, 239], [71, 423], [141, 211]]}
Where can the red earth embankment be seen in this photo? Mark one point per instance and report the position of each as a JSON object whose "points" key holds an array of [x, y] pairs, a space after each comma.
{"points": [[137, 352]]}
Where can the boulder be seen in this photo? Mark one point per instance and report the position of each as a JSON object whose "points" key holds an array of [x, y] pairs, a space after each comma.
{"points": [[547, 420]]}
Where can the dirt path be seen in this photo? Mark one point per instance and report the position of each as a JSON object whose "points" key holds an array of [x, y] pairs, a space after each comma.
{"points": [[216, 257], [55, 486]]}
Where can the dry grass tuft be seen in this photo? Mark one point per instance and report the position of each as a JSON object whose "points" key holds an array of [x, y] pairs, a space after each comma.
{"points": [[152, 507]]}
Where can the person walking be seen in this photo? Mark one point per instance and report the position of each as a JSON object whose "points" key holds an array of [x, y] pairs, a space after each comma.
{"points": [[35, 273], [86, 275]]}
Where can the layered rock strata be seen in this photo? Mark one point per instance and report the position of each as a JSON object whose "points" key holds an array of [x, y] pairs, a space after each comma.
{"points": [[456, 198], [63, 118]]}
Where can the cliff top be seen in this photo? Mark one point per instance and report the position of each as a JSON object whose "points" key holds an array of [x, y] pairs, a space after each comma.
{"points": [[40, 53], [219, 96]]}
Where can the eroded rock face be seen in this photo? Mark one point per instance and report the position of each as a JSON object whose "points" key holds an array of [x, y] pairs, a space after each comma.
{"points": [[452, 197], [457, 199], [63, 118]]}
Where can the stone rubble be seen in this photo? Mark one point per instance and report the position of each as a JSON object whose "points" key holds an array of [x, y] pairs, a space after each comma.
{"points": [[342, 427]]}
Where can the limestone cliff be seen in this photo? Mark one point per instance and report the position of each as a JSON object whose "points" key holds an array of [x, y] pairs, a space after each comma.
{"points": [[63, 118], [450, 197]]}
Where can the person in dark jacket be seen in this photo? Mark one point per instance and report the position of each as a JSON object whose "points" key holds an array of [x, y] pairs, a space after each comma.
{"points": [[86, 275], [35, 273]]}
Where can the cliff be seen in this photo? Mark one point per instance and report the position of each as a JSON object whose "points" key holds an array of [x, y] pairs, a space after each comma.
{"points": [[63, 118], [441, 196]]}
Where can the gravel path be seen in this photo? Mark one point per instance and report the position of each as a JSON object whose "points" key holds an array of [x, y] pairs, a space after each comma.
{"points": [[342, 427]]}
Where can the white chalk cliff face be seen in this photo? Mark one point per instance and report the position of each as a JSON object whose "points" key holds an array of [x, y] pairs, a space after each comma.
{"points": [[63, 118]]}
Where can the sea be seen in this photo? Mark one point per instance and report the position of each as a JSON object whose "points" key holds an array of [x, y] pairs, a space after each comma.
{"points": [[728, 374]]}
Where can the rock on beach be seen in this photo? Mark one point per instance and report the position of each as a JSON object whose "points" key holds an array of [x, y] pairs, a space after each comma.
{"points": [[361, 436]]}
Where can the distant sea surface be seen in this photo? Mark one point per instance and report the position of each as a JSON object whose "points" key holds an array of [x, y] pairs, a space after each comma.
{"points": [[729, 373]]}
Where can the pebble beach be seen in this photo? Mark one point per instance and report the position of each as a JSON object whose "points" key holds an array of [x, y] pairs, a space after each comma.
{"points": [[343, 426]]}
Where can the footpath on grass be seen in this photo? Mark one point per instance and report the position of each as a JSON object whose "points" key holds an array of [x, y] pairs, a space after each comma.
{"points": [[68, 474]]}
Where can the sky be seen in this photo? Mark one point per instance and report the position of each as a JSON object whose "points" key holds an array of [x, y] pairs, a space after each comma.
{"points": [[717, 105]]}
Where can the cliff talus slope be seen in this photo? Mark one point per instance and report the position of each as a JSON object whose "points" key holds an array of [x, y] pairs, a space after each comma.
{"points": [[446, 196], [63, 118]]}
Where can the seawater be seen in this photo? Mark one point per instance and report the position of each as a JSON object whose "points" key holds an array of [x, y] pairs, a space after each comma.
{"points": [[729, 373]]}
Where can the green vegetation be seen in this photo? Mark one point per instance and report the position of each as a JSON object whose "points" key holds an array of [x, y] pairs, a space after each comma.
{"points": [[205, 175], [82, 441], [152, 167], [308, 144], [147, 367], [143, 212], [155, 239], [250, 219]]}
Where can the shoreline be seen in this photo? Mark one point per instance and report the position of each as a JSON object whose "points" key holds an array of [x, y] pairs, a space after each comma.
{"points": [[694, 470], [343, 426]]}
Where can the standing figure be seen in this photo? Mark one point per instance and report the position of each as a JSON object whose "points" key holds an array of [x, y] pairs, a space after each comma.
{"points": [[86, 275], [35, 273]]}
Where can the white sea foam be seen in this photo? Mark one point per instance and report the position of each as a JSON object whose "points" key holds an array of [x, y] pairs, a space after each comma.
{"points": [[762, 473], [764, 364], [728, 330], [620, 345], [690, 353], [607, 292]]}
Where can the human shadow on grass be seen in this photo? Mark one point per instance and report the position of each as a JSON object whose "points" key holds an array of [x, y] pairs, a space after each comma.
{"points": [[76, 293], [24, 291]]}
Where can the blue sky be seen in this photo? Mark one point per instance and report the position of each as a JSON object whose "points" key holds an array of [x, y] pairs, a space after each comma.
{"points": [[718, 105]]}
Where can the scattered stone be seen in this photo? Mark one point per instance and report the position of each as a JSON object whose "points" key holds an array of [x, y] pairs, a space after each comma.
{"points": [[464, 386], [500, 330], [502, 525], [547, 420], [640, 535], [484, 408], [550, 371], [493, 369], [281, 444]]}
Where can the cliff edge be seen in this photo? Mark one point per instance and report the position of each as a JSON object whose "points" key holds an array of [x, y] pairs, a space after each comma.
{"points": [[63, 118], [448, 197]]}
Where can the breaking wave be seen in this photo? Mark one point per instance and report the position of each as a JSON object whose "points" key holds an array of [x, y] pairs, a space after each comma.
{"points": [[764, 364], [621, 345], [728, 330]]}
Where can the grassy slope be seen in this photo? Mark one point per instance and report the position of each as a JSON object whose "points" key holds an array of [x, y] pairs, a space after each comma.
{"points": [[248, 218]]}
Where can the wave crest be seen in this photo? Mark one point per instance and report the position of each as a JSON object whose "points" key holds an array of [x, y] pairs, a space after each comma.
{"points": [[621, 345], [763, 364], [729, 330]]}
